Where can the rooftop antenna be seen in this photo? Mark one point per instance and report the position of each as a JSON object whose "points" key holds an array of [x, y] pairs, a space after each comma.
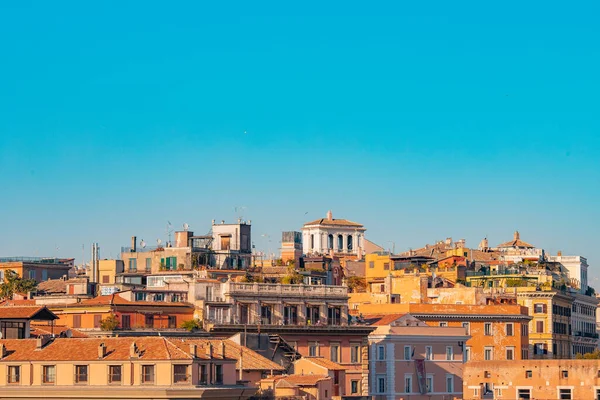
{"points": [[142, 244], [169, 231], [186, 227], [239, 210], [159, 242]]}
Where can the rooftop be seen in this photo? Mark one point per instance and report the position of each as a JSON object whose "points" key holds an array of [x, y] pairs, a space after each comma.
{"points": [[323, 362], [40, 313], [37, 260], [299, 380]]}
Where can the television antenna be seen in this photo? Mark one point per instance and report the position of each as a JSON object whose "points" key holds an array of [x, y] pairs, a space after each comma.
{"points": [[142, 244], [158, 242], [239, 210], [169, 231], [186, 226]]}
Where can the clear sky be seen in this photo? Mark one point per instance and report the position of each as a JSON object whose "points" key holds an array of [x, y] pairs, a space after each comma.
{"points": [[422, 121]]}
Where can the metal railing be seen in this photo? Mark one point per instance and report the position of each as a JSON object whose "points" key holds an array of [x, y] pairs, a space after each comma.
{"points": [[285, 290], [36, 260]]}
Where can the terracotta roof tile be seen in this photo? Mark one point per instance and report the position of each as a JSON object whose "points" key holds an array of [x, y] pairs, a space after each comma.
{"points": [[323, 362], [25, 312], [75, 349], [333, 222], [38, 330], [252, 361], [301, 380], [381, 320]]}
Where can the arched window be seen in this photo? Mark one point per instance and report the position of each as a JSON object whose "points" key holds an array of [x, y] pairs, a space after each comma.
{"points": [[312, 242], [340, 245], [330, 241], [349, 242]]}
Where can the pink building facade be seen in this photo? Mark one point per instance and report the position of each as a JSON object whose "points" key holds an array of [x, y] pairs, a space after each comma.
{"points": [[411, 360]]}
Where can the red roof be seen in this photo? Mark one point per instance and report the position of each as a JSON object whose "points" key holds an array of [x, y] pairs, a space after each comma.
{"points": [[26, 312]]}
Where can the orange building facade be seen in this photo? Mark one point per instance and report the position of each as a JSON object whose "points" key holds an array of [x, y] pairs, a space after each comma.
{"points": [[498, 332]]}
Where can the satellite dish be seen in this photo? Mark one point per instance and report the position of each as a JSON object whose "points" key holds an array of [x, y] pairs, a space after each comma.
{"points": [[159, 241], [186, 227], [143, 244]]}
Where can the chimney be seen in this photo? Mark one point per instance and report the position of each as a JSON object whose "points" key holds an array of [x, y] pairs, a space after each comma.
{"points": [[213, 221], [133, 240], [222, 222], [41, 341], [209, 350], [193, 350], [329, 216], [222, 349], [101, 351], [559, 254], [517, 236], [133, 351], [2, 351]]}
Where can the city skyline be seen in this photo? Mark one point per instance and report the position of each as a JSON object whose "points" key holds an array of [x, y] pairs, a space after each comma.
{"points": [[419, 122]]}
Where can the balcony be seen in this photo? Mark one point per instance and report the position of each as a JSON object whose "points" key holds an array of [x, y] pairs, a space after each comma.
{"points": [[280, 290]]}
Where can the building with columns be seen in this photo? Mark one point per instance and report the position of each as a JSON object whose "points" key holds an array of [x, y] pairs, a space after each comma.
{"points": [[333, 236]]}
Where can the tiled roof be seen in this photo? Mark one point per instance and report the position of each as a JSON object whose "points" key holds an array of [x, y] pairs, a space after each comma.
{"points": [[53, 286], [26, 312], [516, 243], [73, 349], [381, 320], [300, 380], [333, 222], [252, 361], [39, 330], [17, 303], [323, 362]]}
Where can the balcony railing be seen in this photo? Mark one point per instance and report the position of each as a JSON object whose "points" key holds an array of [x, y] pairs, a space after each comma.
{"points": [[286, 290]]}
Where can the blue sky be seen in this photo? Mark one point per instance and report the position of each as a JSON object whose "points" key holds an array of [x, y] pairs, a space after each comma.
{"points": [[421, 121]]}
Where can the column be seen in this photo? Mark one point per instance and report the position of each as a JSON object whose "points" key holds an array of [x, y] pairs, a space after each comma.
{"points": [[323, 313], [302, 314]]}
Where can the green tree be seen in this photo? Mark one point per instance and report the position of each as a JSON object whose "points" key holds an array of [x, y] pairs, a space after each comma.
{"points": [[191, 325], [13, 283], [109, 323], [357, 284]]}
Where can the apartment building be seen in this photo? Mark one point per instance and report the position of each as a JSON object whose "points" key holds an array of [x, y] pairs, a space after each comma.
{"points": [[37, 268], [498, 331], [117, 368], [532, 379], [410, 359]]}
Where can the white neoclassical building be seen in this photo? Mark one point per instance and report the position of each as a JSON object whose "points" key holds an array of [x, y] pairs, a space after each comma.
{"points": [[328, 235]]}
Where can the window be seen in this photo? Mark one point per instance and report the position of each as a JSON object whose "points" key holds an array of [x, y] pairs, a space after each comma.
{"points": [[218, 374], [528, 374], [407, 352], [148, 374], [449, 383], [539, 326], [313, 349], [488, 329], [354, 387], [226, 241], [467, 327], [380, 384], [524, 394], [334, 350], [76, 321], [565, 394], [148, 264], [14, 374], [449, 353], [564, 374], [31, 274], [467, 355], [354, 353], [371, 264], [510, 353], [97, 321], [380, 353], [509, 329], [203, 378], [180, 373], [540, 348], [125, 321], [407, 383], [488, 353], [172, 321], [49, 374], [443, 324], [114, 374], [81, 374], [428, 353], [44, 275], [386, 266], [539, 308], [524, 329], [105, 279], [149, 321], [498, 392], [133, 265], [429, 383]]}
